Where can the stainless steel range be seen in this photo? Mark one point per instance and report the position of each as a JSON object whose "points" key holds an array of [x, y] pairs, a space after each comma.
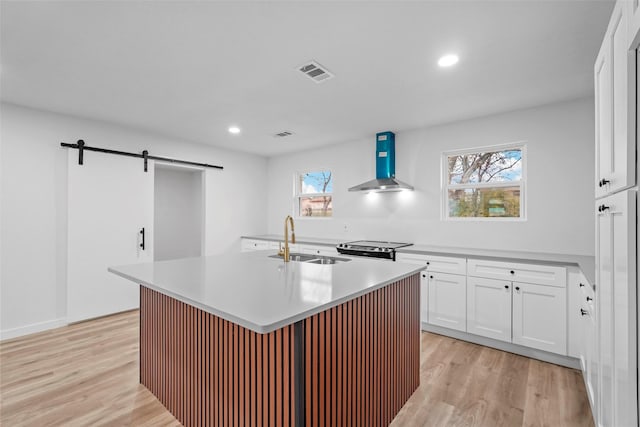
{"points": [[371, 248]]}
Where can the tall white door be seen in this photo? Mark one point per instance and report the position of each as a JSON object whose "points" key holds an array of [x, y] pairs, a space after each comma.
{"points": [[616, 297], [110, 202]]}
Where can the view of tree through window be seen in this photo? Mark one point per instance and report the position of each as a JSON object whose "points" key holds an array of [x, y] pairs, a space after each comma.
{"points": [[314, 194], [484, 184]]}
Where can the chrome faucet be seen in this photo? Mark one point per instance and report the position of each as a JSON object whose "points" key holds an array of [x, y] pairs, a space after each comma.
{"points": [[284, 252]]}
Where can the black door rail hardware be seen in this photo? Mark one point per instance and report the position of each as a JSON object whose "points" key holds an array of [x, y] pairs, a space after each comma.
{"points": [[142, 244], [81, 147]]}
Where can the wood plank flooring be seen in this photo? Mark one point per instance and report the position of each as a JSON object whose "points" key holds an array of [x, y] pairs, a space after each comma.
{"points": [[87, 375]]}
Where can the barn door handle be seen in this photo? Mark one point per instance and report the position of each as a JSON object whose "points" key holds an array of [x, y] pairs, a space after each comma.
{"points": [[142, 244]]}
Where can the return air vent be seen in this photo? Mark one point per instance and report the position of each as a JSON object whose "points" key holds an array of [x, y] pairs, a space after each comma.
{"points": [[316, 72], [283, 134]]}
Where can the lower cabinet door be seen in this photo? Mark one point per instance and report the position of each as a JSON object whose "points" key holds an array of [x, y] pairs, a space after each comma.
{"points": [[489, 308], [424, 297], [540, 317], [447, 300]]}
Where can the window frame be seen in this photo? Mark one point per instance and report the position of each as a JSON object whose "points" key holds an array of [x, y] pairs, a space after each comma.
{"points": [[445, 186], [297, 194]]}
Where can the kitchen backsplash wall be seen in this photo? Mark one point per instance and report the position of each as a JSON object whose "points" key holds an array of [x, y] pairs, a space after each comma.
{"points": [[559, 184]]}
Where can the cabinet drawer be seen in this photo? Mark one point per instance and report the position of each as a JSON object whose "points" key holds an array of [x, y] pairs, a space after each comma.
{"points": [[434, 263], [528, 273], [318, 250], [254, 245]]}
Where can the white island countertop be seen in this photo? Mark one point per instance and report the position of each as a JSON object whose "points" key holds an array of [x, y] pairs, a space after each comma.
{"points": [[261, 293]]}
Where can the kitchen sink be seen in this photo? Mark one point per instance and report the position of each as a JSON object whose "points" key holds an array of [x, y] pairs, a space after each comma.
{"points": [[313, 259]]}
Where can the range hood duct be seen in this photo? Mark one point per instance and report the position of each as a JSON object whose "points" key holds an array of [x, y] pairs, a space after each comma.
{"points": [[385, 167]]}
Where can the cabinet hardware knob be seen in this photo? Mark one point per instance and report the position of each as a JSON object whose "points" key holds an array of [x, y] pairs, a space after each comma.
{"points": [[512, 272], [600, 183], [602, 208], [581, 285], [428, 263], [583, 312], [517, 288], [424, 275], [430, 277], [605, 182], [589, 299], [506, 286]]}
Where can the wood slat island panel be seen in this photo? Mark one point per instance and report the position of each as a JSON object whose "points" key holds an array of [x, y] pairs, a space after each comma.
{"points": [[362, 358], [357, 363], [208, 371]]}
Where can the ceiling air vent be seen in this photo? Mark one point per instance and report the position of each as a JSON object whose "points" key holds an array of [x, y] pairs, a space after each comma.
{"points": [[316, 72], [283, 134]]}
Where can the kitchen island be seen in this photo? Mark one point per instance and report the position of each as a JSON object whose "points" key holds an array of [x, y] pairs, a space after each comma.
{"points": [[247, 339]]}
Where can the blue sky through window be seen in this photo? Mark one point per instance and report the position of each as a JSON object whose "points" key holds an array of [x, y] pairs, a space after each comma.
{"points": [[313, 182]]}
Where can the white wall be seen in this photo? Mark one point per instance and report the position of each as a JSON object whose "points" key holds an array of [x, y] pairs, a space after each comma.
{"points": [[560, 150], [177, 213], [34, 218]]}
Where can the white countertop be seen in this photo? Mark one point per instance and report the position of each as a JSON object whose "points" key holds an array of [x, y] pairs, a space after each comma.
{"points": [[261, 293], [586, 263], [300, 240]]}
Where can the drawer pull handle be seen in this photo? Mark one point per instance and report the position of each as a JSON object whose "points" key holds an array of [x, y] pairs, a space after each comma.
{"points": [[589, 299], [581, 285], [583, 312], [603, 182]]}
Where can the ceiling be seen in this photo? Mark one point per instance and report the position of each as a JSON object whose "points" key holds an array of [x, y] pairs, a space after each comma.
{"points": [[190, 69]]}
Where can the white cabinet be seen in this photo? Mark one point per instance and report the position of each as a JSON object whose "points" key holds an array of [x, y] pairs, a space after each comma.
{"points": [[616, 308], [520, 272], [580, 295], [615, 80], [247, 245], [447, 300], [517, 302], [539, 317], [318, 250], [424, 295], [442, 264], [592, 361], [489, 308], [440, 272], [634, 24]]}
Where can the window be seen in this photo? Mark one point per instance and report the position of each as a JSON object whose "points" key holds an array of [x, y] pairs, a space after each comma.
{"points": [[484, 183], [313, 194]]}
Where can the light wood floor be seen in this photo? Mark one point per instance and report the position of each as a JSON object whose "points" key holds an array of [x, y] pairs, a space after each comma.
{"points": [[87, 375]]}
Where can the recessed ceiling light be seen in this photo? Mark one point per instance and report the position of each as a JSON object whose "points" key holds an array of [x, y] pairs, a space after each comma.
{"points": [[234, 130], [448, 60]]}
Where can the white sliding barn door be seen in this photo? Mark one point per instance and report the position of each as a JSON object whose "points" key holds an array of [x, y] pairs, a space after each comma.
{"points": [[110, 201]]}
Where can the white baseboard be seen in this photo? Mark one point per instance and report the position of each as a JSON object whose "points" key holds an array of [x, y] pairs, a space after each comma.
{"points": [[545, 356], [6, 334]]}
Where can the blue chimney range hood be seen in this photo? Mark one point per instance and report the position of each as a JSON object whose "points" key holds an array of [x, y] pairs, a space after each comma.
{"points": [[385, 167]]}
